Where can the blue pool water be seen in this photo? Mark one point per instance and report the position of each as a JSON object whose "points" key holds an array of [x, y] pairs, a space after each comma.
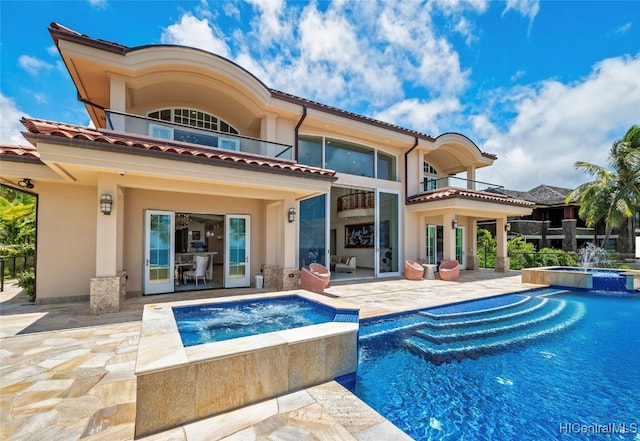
{"points": [[199, 324], [562, 366]]}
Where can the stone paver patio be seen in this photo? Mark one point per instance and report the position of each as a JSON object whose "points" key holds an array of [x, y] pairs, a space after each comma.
{"points": [[67, 375]]}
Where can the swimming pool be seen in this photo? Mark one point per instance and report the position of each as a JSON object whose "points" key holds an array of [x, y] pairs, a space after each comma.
{"points": [[578, 382]]}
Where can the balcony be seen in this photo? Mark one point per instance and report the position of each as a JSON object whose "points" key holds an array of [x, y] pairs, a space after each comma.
{"points": [[430, 184], [358, 204], [168, 131]]}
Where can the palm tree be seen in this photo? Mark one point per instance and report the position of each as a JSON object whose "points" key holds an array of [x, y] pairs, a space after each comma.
{"points": [[614, 195]]}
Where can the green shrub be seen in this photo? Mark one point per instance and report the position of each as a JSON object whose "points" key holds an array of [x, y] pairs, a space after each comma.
{"points": [[27, 280]]}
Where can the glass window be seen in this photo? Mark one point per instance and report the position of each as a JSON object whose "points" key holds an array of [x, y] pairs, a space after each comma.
{"points": [[312, 225], [386, 166], [310, 150], [345, 157], [430, 181], [193, 118], [389, 232]]}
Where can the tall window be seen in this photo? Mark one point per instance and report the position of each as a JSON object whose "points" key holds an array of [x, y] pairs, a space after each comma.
{"points": [[312, 221], [193, 118], [430, 177]]}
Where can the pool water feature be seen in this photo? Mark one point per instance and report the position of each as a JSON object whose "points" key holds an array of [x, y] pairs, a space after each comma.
{"points": [[582, 375], [200, 324], [591, 278]]}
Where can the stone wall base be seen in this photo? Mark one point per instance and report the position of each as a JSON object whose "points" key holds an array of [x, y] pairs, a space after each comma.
{"points": [[104, 295], [502, 264], [281, 279], [473, 263]]}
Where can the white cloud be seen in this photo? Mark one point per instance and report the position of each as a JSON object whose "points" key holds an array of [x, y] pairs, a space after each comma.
{"points": [[98, 4], [623, 29], [198, 33], [558, 124], [424, 116], [10, 126], [33, 65], [528, 8]]}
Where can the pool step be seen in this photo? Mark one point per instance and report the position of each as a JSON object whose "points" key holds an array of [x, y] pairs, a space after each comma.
{"points": [[526, 306], [445, 344]]}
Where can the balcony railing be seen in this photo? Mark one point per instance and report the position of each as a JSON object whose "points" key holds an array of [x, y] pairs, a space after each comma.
{"points": [[430, 184], [139, 125], [353, 201]]}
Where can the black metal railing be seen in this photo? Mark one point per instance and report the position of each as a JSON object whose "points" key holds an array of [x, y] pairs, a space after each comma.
{"points": [[360, 200], [170, 131], [12, 265]]}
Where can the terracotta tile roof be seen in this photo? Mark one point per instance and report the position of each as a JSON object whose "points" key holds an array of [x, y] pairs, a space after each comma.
{"points": [[57, 31], [452, 192], [19, 152], [127, 143]]}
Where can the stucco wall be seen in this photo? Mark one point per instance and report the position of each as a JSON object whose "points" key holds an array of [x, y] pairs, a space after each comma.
{"points": [[66, 240]]}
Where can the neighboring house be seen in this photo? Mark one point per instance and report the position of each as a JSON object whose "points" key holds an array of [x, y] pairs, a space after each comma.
{"points": [[555, 224], [193, 155]]}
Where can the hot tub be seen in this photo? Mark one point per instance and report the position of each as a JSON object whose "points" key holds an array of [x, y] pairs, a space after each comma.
{"points": [[178, 383], [591, 278]]}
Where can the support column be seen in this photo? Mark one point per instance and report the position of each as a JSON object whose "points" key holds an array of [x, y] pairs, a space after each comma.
{"points": [[105, 288], [471, 177], [473, 262], [448, 237], [502, 258], [117, 101], [569, 242], [281, 269]]}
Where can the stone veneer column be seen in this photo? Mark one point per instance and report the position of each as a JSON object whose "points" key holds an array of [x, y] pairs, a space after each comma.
{"points": [[502, 264], [569, 242], [104, 295], [281, 279], [289, 279]]}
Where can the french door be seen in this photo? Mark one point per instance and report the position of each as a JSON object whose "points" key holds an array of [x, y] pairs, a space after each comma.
{"points": [[237, 264], [434, 246], [158, 252]]}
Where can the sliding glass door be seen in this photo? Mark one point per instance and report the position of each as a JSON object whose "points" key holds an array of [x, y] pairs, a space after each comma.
{"points": [[387, 237]]}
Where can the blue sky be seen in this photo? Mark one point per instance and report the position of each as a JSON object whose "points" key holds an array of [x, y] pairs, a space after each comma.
{"points": [[541, 84]]}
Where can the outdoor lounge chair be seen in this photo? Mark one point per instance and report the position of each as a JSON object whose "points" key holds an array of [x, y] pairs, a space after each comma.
{"points": [[449, 270], [315, 279], [413, 270]]}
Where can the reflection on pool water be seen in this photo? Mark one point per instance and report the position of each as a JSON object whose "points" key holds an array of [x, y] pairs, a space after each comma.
{"points": [[449, 375]]}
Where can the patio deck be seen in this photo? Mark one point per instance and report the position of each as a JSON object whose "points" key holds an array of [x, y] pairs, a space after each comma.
{"points": [[66, 374]]}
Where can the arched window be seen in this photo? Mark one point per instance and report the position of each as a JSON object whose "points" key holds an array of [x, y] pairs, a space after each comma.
{"points": [[193, 118], [430, 176]]}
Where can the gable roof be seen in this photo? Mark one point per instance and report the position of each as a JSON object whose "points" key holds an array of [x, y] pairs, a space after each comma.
{"points": [[69, 134]]}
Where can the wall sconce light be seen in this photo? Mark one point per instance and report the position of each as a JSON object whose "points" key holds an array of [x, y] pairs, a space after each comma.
{"points": [[454, 224], [507, 227], [105, 203], [292, 214], [26, 183]]}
